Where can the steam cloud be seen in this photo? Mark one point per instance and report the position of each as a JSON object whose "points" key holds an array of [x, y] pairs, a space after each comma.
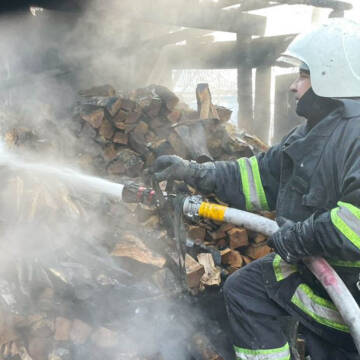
{"points": [[49, 227]]}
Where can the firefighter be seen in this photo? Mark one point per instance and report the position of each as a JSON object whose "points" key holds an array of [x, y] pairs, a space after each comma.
{"points": [[311, 178]]}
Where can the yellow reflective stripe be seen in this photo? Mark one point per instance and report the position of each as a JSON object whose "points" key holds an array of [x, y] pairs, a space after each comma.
{"points": [[259, 188], [355, 210], [255, 198], [321, 310], [344, 224], [282, 353], [282, 269], [342, 263], [245, 183]]}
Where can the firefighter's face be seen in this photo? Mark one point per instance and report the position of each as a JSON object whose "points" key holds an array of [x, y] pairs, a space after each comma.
{"points": [[301, 85]]}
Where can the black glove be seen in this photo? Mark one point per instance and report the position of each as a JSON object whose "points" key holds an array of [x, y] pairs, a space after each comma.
{"points": [[199, 176], [292, 241]]}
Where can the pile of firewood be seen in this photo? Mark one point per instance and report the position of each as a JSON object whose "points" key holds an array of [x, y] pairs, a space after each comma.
{"points": [[130, 130], [228, 248], [125, 133]]}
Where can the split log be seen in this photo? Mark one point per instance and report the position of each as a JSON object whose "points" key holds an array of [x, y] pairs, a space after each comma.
{"points": [[256, 251], [238, 237], [212, 275], [137, 138], [194, 272], [113, 105], [62, 329], [105, 338], [132, 247], [94, 118], [224, 114], [177, 144], [246, 259], [138, 144], [196, 233], [168, 98], [156, 123], [206, 109], [110, 152], [121, 138], [226, 227], [232, 258], [260, 238], [129, 105], [119, 119], [149, 101], [39, 348], [217, 235], [127, 162], [141, 128], [80, 331], [106, 129], [256, 142], [134, 115], [174, 117]]}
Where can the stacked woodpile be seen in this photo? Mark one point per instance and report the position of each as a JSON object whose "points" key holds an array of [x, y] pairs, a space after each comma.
{"points": [[130, 130], [121, 135]]}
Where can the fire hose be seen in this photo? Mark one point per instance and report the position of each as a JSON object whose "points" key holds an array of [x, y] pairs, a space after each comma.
{"points": [[194, 207]]}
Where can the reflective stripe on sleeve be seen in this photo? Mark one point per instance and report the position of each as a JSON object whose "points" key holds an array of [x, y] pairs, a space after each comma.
{"points": [[321, 310], [282, 269], [346, 218], [342, 263], [282, 353], [255, 198]]}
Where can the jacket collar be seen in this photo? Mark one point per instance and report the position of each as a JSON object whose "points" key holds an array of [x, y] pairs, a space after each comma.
{"points": [[323, 129], [351, 108], [300, 143]]}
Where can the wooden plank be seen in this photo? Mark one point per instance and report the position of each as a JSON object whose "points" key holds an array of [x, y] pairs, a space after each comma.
{"points": [[171, 38], [202, 17], [229, 54], [332, 4], [261, 124], [247, 5]]}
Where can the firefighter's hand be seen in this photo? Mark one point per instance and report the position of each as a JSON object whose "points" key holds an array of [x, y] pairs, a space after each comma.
{"points": [[170, 167], [294, 241], [281, 241]]}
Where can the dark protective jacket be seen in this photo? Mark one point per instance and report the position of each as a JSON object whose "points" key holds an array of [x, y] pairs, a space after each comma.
{"points": [[309, 172]]}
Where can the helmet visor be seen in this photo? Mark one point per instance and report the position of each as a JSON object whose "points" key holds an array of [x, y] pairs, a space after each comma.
{"points": [[294, 62]]}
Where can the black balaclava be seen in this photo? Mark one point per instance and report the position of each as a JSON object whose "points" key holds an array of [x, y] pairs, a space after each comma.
{"points": [[314, 108]]}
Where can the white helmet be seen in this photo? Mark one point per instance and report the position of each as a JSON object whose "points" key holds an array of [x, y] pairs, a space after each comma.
{"points": [[332, 53]]}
